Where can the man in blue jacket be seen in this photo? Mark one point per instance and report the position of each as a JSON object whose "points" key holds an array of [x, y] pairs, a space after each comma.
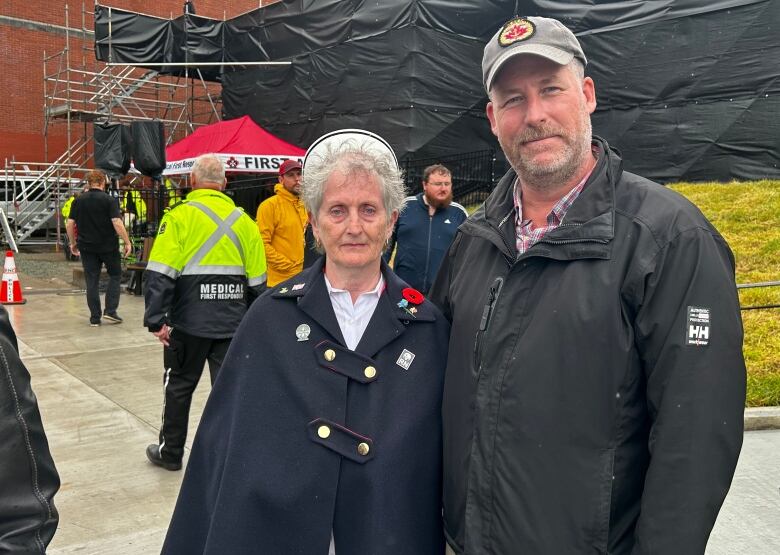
{"points": [[425, 229]]}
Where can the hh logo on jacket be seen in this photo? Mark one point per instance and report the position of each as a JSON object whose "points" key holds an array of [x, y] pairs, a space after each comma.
{"points": [[698, 326]]}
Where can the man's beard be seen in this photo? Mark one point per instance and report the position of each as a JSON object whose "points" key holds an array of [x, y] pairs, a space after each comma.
{"points": [[439, 203], [553, 174]]}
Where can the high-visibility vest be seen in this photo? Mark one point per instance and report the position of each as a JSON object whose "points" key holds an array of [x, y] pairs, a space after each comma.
{"points": [[207, 234], [66, 207], [130, 198], [174, 195]]}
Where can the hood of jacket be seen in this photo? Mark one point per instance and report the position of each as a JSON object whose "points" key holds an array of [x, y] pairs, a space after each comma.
{"points": [[280, 191]]}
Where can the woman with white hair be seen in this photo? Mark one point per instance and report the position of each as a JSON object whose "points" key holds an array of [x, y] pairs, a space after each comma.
{"points": [[323, 431]]}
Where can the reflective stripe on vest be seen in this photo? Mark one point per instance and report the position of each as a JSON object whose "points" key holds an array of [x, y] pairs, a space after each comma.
{"points": [[224, 229]]}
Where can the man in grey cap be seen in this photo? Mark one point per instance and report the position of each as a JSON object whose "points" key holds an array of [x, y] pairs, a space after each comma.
{"points": [[595, 381]]}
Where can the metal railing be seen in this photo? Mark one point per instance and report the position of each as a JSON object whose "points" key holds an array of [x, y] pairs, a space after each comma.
{"points": [[78, 90], [474, 174], [755, 285], [34, 193], [119, 94]]}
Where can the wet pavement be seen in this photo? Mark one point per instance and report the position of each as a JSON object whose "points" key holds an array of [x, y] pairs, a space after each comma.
{"points": [[100, 394]]}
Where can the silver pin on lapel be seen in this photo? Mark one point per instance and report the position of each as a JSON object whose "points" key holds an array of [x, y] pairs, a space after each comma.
{"points": [[405, 360], [302, 332]]}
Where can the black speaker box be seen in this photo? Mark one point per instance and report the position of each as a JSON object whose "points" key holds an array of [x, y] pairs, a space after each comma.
{"points": [[149, 147], [113, 148]]}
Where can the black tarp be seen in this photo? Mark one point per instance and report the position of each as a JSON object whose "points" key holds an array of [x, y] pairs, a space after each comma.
{"points": [[113, 148], [130, 38], [687, 89], [149, 147]]}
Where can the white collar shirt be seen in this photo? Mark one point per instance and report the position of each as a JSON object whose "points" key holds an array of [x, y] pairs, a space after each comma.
{"points": [[353, 318]]}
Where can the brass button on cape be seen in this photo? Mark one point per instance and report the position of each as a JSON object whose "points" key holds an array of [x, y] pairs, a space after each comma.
{"points": [[329, 355], [362, 449], [323, 432], [369, 372]]}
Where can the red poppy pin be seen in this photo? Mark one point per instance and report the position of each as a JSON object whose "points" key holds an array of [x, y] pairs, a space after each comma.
{"points": [[411, 296]]}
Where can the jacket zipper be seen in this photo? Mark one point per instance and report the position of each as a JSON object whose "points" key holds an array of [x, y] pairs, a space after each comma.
{"points": [[564, 241], [427, 255], [484, 323], [569, 241]]}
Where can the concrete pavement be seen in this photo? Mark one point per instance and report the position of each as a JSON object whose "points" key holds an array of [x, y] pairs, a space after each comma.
{"points": [[749, 522], [100, 393]]}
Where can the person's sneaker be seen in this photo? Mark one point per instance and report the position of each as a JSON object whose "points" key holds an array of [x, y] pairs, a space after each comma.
{"points": [[94, 323], [112, 317], [153, 454]]}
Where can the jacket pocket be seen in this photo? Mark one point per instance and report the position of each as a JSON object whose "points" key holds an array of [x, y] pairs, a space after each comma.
{"points": [[484, 323], [603, 510]]}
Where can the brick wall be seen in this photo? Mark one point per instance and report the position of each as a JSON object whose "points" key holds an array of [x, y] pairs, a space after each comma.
{"points": [[21, 63]]}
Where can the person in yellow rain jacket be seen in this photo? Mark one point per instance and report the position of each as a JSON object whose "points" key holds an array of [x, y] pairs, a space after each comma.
{"points": [[282, 221]]}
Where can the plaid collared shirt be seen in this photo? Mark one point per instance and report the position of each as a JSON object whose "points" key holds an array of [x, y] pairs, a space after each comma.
{"points": [[526, 235]]}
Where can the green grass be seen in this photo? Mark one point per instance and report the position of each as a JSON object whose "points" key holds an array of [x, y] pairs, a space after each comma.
{"points": [[747, 214]]}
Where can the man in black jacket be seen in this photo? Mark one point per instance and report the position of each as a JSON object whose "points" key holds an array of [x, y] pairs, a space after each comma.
{"points": [[595, 384], [28, 479]]}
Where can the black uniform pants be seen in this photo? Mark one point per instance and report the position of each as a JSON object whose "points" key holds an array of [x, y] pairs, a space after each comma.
{"points": [[92, 263], [184, 360]]}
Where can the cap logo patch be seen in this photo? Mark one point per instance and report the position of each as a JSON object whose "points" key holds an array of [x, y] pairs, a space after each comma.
{"points": [[516, 30]]}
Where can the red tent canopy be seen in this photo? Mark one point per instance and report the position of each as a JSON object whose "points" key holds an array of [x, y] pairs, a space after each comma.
{"points": [[242, 145]]}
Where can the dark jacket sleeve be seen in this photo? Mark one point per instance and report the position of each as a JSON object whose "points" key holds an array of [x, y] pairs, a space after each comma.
{"points": [[158, 299], [255, 291], [28, 478], [695, 390], [113, 208], [440, 290]]}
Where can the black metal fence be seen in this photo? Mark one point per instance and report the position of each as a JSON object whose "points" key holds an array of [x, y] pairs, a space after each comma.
{"points": [[142, 209], [474, 174], [249, 191], [754, 285]]}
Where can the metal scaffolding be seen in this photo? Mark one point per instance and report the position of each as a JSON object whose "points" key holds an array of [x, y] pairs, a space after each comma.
{"points": [[79, 91]]}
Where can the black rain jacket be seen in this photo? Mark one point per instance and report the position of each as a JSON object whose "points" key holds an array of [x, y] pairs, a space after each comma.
{"points": [[28, 479], [595, 388]]}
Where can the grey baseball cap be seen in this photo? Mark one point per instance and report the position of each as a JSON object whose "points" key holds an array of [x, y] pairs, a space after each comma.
{"points": [[529, 35]]}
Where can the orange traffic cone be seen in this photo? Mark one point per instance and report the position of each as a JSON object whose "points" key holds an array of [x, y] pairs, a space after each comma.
{"points": [[11, 289]]}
